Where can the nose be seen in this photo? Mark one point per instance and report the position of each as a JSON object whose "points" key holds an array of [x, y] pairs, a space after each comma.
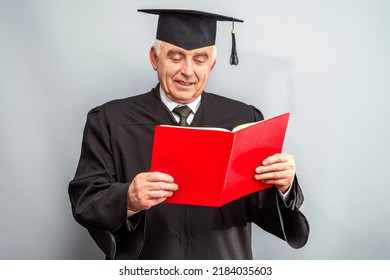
{"points": [[187, 68]]}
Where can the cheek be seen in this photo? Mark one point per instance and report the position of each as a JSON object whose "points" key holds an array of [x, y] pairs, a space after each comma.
{"points": [[203, 74], [170, 71], [163, 74]]}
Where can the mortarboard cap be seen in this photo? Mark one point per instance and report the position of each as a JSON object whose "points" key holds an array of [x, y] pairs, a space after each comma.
{"points": [[190, 29]]}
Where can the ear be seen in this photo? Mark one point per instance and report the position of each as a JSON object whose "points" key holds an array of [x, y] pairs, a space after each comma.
{"points": [[212, 66], [153, 58]]}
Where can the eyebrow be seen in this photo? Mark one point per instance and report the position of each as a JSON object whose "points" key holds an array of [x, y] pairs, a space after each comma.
{"points": [[173, 52], [202, 54]]}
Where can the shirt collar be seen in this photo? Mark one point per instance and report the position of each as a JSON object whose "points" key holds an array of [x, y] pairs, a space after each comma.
{"points": [[194, 105]]}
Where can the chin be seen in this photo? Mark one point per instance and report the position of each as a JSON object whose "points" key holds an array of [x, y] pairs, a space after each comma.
{"points": [[183, 97]]}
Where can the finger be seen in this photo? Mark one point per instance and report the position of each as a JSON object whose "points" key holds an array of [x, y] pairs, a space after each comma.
{"points": [[275, 176], [276, 167], [158, 177], [276, 181], [153, 202], [276, 158], [147, 199], [162, 186], [154, 191], [157, 195]]}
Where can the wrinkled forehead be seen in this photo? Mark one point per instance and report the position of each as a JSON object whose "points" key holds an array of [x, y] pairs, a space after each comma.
{"points": [[166, 47]]}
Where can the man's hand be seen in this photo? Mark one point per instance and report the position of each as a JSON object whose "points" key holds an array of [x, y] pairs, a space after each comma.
{"points": [[149, 189], [277, 170]]}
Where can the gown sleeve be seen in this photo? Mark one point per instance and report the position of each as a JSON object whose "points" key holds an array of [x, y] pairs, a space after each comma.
{"points": [[281, 218], [98, 201]]}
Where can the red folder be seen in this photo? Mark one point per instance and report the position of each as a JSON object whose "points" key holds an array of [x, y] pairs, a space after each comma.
{"points": [[215, 166]]}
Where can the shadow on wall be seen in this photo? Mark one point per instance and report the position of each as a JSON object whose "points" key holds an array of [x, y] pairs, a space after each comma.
{"points": [[261, 80]]}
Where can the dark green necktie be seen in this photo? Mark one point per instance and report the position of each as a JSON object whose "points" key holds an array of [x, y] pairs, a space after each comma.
{"points": [[183, 112]]}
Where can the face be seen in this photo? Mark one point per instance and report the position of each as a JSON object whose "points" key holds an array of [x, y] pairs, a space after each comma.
{"points": [[182, 74]]}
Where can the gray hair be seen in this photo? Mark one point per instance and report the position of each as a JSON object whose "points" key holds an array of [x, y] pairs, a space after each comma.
{"points": [[157, 49]]}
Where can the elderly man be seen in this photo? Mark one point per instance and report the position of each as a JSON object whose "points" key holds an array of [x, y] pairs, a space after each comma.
{"points": [[120, 202]]}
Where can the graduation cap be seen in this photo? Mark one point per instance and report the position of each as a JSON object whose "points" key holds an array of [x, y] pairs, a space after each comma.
{"points": [[191, 29]]}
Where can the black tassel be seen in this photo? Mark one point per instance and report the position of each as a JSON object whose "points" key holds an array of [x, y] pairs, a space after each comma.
{"points": [[233, 57]]}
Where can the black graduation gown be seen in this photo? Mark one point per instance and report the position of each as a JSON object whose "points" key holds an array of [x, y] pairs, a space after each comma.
{"points": [[117, 145]]}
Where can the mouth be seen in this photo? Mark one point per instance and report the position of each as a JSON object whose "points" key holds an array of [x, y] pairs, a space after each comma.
{"points": [[186, 84]]}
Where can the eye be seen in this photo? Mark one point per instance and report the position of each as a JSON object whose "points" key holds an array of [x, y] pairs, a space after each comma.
{"points": [[176, 57], [200, 58]]}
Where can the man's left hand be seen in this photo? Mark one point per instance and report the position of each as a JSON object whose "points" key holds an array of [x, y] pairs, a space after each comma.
{"points": [[277, 170]]}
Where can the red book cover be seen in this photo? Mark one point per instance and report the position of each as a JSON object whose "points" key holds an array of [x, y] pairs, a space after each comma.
{"points": [[214, 166]]}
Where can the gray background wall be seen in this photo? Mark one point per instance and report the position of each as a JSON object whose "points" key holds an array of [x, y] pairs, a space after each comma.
{"points": [[327, 62]]}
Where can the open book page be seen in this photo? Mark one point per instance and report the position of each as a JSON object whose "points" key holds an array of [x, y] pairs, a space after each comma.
{"points": [[242, 126], [199, 128]]}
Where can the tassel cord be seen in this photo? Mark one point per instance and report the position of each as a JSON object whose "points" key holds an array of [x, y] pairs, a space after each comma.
{"points": [[234, 57]]}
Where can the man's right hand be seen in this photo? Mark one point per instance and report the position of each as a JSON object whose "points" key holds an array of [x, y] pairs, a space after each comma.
{"points": [[149, 189]]}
